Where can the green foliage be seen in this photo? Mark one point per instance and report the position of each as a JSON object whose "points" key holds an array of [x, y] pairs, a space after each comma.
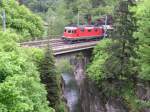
{"points": [[96, 68], [20, 87], [120, 66], [143, 36], [36, 55], [64, 66], [62, 107], [59, 13], [113, 66], [23, 93], [117, 67], [21, 20], [51, 79], [39, 5], [56, 19], [8, 41]]}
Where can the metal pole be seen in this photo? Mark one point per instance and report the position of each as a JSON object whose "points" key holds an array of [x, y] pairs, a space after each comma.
{"points": [[105, 28], [78, 17], [4, 20]]}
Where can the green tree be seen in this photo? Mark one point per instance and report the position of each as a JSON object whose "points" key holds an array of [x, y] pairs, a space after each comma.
{"points": [[122, 50], [143, 36], [21, 20], [50, 78], [39, 6], [57, 18], [20, 87], [60, 13], [118, 64], [114, 66], [100, 55], [23, 94]]}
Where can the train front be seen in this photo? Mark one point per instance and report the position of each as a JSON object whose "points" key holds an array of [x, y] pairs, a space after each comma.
{"points": [[70, 33]]}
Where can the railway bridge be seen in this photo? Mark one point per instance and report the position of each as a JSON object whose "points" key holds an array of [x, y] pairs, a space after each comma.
{"points": [[59, 47]]}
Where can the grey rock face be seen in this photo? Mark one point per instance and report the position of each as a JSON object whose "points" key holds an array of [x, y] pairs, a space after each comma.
{"points": [[90, 97]]}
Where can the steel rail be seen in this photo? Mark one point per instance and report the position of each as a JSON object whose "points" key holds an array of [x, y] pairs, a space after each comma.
{"points": [[59, 47]]}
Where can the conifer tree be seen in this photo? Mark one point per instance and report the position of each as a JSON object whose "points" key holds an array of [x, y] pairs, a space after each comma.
{"points": [[120, 67], [50, 78]]}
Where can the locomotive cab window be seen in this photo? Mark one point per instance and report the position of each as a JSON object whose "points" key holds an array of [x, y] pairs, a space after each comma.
{"points": [[69, 31], [89, 30], [73, 31]]}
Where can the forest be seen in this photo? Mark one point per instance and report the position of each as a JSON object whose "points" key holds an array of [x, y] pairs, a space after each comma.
{"points": [[29, 79], [59, 13]]}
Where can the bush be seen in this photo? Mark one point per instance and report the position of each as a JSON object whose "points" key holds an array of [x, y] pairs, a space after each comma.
{"points": [[64, 66], [20, 87], [96, 68], [21, 20]]}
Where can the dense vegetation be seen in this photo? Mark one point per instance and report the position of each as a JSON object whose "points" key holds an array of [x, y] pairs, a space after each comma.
{"points": [[29, 81], [59, 13], [21, 87], [143, 36], [52, 79], [64, 66], [120, 63], [21, 20]]}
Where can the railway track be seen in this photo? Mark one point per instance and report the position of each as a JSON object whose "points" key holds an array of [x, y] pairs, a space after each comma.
{"points": [[59, 46], [39, 42]]}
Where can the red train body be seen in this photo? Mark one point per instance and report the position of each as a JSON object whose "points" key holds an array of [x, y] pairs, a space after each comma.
{"points": [[83, 33], [87, 32]]}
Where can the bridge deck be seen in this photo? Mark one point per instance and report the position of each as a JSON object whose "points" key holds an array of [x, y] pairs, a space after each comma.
{"points": [[59, 46]]}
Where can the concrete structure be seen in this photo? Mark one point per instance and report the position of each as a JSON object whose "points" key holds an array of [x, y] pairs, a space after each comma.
{"points": [[59, 47]]}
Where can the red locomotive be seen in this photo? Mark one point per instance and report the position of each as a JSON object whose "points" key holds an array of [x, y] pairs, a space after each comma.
{"points": [[83, 33], [88, 32]]}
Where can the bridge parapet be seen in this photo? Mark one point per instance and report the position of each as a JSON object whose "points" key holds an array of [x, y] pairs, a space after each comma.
{"points": [[59, 46]]}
